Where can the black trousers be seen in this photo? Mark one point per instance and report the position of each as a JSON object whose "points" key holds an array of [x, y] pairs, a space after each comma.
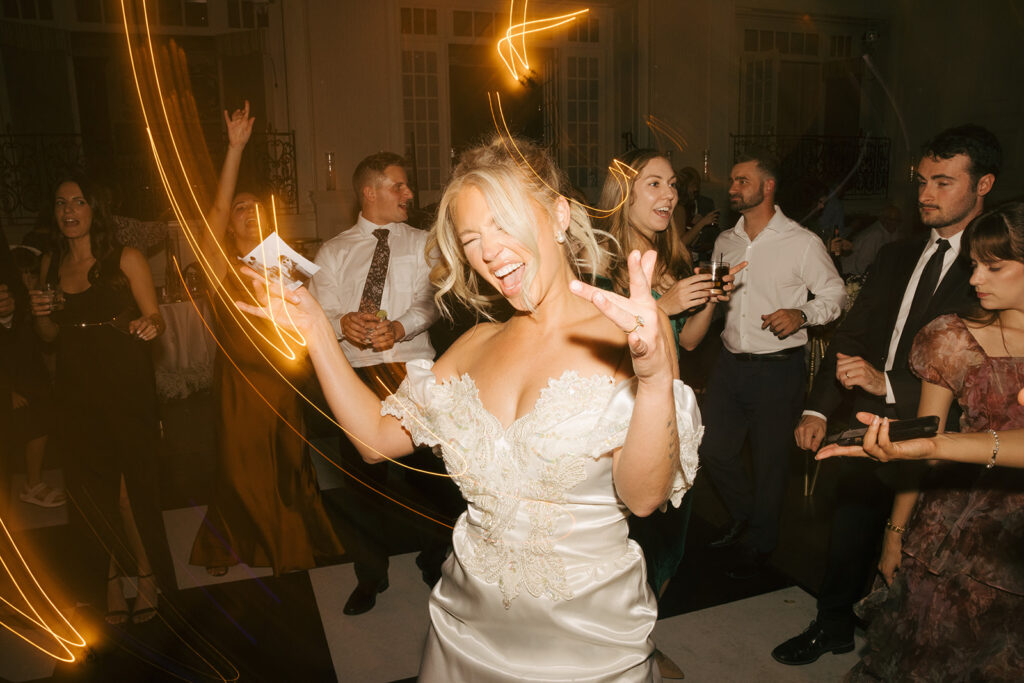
{"points": [[760, 399], [863, 502]]}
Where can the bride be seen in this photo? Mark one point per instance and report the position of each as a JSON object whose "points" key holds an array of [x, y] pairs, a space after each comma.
{"points": [[556, 425]]}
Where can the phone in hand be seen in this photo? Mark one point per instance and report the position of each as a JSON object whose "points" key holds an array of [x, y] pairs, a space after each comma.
{"points": [[899, 430]]}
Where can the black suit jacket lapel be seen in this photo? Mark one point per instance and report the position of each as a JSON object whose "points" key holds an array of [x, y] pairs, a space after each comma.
{"points": [[911, 252], [953, 291]]}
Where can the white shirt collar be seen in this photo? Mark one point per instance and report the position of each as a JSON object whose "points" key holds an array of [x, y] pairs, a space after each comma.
{"points": [[954, 241], [366, 227], [778, 223]]}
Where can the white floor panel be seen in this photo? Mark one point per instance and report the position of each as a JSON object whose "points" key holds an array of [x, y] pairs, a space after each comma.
{"points": [[733, 642], [386, 643]]}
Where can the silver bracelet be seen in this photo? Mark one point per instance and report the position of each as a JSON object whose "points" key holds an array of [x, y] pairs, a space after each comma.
{"points": [[995, 449]]}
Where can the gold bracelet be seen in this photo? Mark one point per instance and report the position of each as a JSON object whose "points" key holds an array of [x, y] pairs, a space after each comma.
{"points": [[895, 528], [995, 449]]}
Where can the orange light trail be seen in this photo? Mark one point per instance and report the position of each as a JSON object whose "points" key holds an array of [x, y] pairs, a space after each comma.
{"points": [[165, 604], [44, 614], [622, 172], [658, 125], [516, 58], [178, 170]]}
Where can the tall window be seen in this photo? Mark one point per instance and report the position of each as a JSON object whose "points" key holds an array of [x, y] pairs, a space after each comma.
{"points": [[421, 118], [582, 89], [31, 10], [419, 21]]}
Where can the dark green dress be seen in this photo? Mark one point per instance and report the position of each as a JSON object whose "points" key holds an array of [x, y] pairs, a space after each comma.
{"points": [[662, 535]]}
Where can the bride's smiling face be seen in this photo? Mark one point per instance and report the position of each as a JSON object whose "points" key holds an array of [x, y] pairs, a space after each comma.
{"points": [[522, 273]]}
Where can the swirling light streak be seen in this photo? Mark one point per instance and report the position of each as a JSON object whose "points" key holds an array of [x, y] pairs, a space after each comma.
{"points": [[244, 323], [297, 431], [622, 172], [53, 620], [165, 605], [663, 127], [516, 57], [178, 162]]}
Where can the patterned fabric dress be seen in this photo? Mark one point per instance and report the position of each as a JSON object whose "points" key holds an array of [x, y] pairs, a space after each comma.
{"points": [[955, 610], [543, 583]]}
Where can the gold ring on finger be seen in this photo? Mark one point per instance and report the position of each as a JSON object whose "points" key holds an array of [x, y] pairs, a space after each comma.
{"points": [[637, 326]]}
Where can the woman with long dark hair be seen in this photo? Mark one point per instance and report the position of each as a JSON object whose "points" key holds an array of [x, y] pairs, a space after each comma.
{"points": [[950, 603], [108, 425]]}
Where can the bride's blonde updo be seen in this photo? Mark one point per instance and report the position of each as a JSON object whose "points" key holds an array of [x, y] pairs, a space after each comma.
{"points": [[513, 175]]}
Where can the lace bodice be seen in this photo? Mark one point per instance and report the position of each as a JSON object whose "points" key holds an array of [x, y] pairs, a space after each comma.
{"points": [[541, 499]]}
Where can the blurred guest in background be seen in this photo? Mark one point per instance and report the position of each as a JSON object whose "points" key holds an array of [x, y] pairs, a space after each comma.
{"points": [[374, 286], [266, 508], [32, 394]]}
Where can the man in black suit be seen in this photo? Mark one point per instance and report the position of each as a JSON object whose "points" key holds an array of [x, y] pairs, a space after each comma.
{"points": [[869, 356]]}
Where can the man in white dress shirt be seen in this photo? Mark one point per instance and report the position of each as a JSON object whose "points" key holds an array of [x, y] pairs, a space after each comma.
{"points": [[374, 286], [757, 386]]}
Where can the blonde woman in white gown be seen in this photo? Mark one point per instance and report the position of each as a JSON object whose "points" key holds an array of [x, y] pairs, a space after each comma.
{"points": [[556, 425]]}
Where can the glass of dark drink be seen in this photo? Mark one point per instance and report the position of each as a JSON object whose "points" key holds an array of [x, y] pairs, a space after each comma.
{"points": [[718, 271]]}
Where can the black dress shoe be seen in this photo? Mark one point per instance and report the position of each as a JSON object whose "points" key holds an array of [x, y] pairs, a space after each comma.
{"points": [[732, 536], [811, 644], [364, 597]]}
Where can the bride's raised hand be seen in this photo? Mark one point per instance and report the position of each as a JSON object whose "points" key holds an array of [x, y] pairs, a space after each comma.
{"points": [[650, 343], [293, 310]]}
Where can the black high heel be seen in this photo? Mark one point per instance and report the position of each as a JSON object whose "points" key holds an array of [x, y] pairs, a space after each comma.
{"points": [[141, 616]]}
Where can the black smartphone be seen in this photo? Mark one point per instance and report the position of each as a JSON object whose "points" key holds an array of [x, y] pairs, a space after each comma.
{"points": [[899, 430]]}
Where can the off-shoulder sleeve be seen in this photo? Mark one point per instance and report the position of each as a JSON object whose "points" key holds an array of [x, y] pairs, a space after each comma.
{"points": [[412, 404], [611, 430], [942, 352]]}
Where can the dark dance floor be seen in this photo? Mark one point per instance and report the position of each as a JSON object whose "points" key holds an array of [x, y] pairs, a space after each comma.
{"points": [[257, 627]]}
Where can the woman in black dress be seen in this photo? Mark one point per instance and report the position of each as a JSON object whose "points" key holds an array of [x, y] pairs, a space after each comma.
{"points": [[106, 394]]}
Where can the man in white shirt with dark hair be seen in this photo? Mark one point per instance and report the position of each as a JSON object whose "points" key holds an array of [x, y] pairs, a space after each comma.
{"points": [[374, 286], [757, 386]]}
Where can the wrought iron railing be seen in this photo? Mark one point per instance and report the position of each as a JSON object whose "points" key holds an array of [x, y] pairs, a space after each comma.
{"points": [[861, 163], [31, 164]]}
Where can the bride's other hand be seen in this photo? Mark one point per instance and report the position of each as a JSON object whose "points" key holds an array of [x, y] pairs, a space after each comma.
{"points": [[647, 332]]}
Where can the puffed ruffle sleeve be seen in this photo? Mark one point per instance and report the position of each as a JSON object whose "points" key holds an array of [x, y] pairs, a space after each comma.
{"points": [[610, 432], [416, 403]]}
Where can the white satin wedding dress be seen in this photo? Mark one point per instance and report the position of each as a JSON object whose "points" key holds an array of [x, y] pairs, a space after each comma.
{"points": [[543, 584]]}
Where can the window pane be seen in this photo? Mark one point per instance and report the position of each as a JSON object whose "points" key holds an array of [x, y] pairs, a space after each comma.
{"points": [[432, 22], [462, 23], [86, 10], [750, 40], [195, 14], [782, 41], [406, 20], [766, 40], [811, 44]]}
